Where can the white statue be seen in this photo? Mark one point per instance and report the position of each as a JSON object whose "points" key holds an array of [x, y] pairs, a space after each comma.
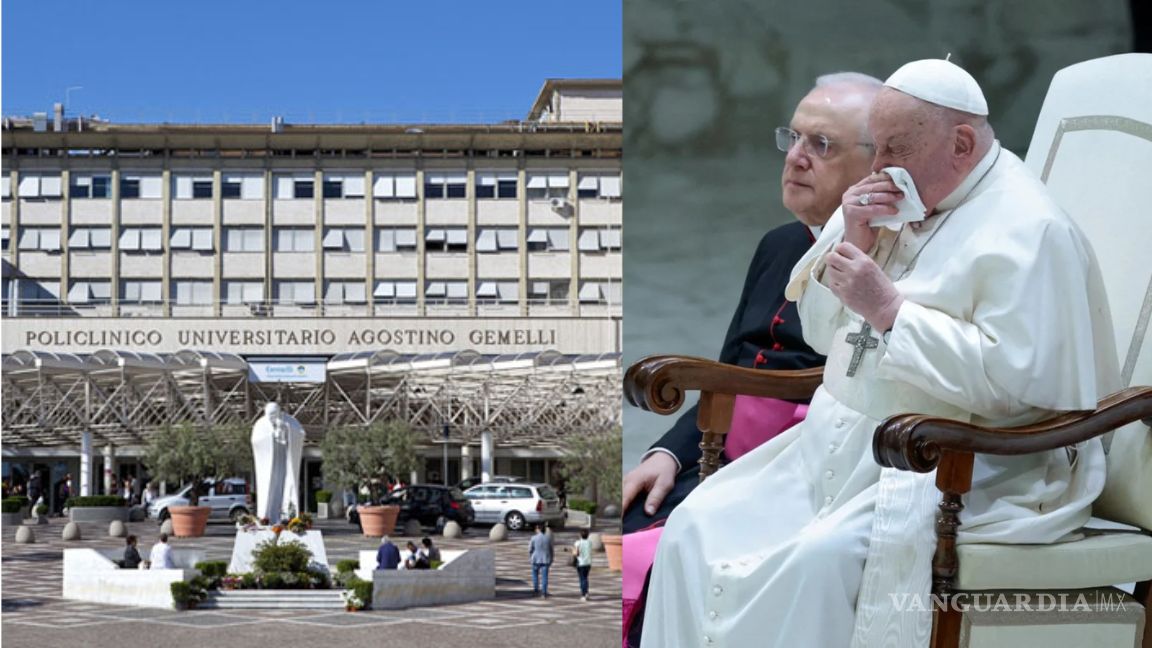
{"points": [[277, 446]]}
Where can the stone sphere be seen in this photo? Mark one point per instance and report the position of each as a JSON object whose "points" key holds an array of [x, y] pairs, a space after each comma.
{"points": [[167, 527], [24, 535], [612, 511], [597, 542], [452, 530], [412, 529], [71, 531], [117, 529], [499, 533]]}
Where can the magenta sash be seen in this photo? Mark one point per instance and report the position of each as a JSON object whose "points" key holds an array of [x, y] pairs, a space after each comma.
{"points": [[639, 553], [755, 420]]}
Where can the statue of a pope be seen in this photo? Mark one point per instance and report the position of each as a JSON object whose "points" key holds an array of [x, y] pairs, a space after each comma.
{"points": [[277, 444]]}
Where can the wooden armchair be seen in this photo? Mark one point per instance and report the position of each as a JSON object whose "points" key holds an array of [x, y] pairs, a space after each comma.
{"points": [[1104, 103]]}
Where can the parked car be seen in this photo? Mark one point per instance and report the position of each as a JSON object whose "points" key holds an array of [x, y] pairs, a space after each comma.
{"points": [[516, 505], [229, 500], [432, 506], [495, 479]]}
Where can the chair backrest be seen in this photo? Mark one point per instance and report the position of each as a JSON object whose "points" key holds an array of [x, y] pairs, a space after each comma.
{"points": [[1093, 148]]}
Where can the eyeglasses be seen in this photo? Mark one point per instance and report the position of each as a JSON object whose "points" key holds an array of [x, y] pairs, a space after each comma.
{"points": [[814, 145]]}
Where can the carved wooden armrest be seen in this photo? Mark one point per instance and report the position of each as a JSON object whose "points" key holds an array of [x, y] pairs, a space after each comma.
{"points": [[915, 442], [658, 384]]}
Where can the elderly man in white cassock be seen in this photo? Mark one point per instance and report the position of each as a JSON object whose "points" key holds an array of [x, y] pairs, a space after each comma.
{"points": [[948, 283]]}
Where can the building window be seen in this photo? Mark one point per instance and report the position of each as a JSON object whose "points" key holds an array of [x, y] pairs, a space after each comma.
{"points": [[451, 239], [295, 185], [391, 291], [445, 185], [496, 185], [192, 293], [90, 238], [189, 187], [548, 293], [243, 186], [44, 239], [543, 186], [243, 239], [602, 186], [344, 239], [139, 291], [490, 291], [395, 239], [344, 292], [548, 239], [42, 186], [497, 239], [196, 239], [243, 292], [141, 239], [6, 194], [133, 185], [394, 186], [295, 292], [35, 293], [600, 239], [90, 292], [343, 185], [446, 292], [5, 237], [295, 239], [600, 292], [83, 185]]}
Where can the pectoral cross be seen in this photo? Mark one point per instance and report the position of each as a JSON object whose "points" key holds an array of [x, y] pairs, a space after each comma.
{"points": [[862, 341]]}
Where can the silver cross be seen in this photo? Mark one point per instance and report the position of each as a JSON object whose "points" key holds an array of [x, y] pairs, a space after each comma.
{"points": [[862, 341]]}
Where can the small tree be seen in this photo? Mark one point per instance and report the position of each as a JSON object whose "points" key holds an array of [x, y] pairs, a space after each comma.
{"points": [[594, 462], [192, 453], [356, 456]]}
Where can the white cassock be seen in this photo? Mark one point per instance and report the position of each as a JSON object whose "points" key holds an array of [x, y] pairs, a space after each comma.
{"points": [[806, 541], [277, 447]]}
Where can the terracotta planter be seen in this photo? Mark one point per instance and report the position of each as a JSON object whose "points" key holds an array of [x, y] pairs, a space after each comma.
{"points": [[614, 547], [378, 520], [189, 521]]}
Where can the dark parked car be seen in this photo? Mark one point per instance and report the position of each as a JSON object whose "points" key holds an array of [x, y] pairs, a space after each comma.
{"points": [[431, 506]]}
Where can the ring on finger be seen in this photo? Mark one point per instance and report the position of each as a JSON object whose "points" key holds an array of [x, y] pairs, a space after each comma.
{"points": [[866, 199]]}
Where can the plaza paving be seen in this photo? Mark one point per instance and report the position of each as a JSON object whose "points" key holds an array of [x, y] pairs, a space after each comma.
{"points": [[34, 614]]}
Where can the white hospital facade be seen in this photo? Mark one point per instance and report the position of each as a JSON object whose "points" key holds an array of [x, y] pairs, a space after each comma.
{"points": [[154, 273]]}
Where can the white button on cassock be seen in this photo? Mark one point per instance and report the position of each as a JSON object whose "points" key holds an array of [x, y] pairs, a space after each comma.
{"points": [[827, 500], [839, 423], [717, 590], [707, 640], [713, 615], [829, 475], [832, 447]]}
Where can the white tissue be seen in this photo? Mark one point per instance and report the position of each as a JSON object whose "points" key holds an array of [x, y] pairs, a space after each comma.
{"points": [[911, 208]]}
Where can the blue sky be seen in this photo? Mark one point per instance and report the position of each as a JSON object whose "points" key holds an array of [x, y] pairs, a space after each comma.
{"points": [[347, 61]]}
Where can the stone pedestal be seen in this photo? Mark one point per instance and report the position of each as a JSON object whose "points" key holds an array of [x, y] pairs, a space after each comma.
{"points": [[246, 542]]}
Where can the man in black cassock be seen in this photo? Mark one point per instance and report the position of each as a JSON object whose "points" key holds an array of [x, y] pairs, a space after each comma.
{"points": [[828, 151]]}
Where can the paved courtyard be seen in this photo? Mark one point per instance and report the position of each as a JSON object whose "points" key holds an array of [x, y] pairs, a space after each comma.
{"points": [[34, 614]]}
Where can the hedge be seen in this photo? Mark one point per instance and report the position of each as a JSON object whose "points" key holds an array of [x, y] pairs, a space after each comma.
{"points": [[11, 505], [582, 505], [23, 499], [323, 496], [347, 566], [94, 501]]}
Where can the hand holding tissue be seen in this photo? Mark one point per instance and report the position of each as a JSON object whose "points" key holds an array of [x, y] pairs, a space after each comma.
{"points": [[911, 209]]}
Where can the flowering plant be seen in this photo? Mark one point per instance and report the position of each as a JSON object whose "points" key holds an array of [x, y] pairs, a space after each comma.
{"points": [[351, 601], [297, 526], [232, 582], [277, 529]]}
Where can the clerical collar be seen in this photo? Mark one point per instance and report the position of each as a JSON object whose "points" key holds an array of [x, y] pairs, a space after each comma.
{"points": [[977, 173], [815, 229]]}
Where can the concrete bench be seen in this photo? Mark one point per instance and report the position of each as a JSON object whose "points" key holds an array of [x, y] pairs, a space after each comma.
{"points": [[93, 575], [464, 577]]}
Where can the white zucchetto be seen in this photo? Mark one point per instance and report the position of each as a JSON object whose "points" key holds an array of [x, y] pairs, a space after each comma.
{"points": [[942, 83]]}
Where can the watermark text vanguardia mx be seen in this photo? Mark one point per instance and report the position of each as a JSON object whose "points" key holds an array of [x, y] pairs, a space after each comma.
{"points": [[1010, 602]]}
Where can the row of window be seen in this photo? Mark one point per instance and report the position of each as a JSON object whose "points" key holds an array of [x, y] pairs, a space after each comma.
{"points": [[303, 239], [199, 293], [248, 186]]}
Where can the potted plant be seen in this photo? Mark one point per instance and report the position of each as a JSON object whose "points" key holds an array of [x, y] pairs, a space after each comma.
{"points": [[42, 514], [592, 464], [196, 453], [368, 456], [96, 508], [323, 497]]}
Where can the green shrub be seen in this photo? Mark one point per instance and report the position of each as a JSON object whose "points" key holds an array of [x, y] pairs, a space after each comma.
{"points": [[321, 580], [582, 505], [345, 566], [188, 593], [323, 496], [290, 556], [93, 501], [249, 581], [275, 580], [11, 505], [42, 509], [361, 498], [23, 499], [213, 571], [362, 589]]}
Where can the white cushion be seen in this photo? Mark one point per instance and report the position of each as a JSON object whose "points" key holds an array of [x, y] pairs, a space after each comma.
{"points": [[1095, 561]]}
